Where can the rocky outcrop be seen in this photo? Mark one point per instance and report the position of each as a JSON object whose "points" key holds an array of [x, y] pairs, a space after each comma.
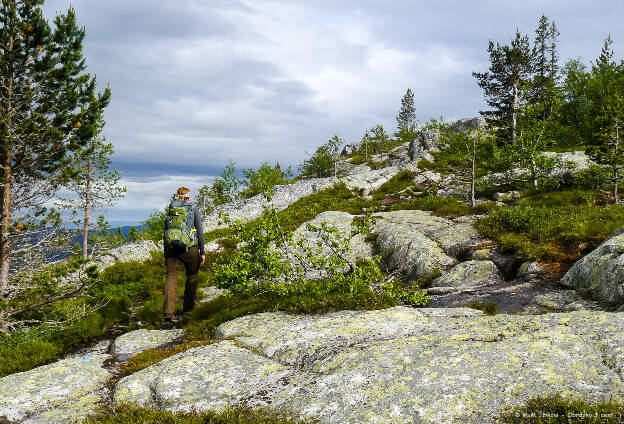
{"points": [[425, 142], [464, 124], [421, 242], [600, 274], [361, 177], [284, 196], [139, 251], [569, 162], [398, 365], [63, 392], [470, 273], [138, 341], [349, 149], [208, 294], [359, 248]]}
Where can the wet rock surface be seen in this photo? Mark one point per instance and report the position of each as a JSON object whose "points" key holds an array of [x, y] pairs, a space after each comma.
{"points": [[398, 365]]}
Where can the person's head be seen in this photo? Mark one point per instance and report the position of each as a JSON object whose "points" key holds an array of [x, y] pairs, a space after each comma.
{"points": [[183, 194]]}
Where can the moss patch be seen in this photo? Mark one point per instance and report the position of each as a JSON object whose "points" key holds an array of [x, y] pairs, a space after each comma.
{"points": [[127, 414]]}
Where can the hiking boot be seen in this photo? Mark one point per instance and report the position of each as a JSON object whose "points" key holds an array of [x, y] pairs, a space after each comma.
{"points": [[169, 322]]}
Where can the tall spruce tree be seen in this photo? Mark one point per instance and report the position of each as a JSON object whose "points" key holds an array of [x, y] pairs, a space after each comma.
{"points": [[406, 119], [545, 67], [48, 107], [506, 83]]}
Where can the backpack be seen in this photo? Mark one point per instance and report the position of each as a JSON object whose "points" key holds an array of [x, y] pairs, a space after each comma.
{"points": [[179, 226]]}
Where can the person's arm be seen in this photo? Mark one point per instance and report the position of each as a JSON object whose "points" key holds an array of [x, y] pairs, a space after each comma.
{"points": [[200, 231]]}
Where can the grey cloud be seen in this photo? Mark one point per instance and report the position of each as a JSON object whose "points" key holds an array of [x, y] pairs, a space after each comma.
{"points": [[195, 82]]}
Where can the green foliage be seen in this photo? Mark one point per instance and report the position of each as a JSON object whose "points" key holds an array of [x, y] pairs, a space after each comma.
{"points": [[150, 313], [558, 410], [323, 162], [595, 176], [375, 140], [135, 280], [336, 198], [395, 185], [224, 189], [490, 308], [93, 182], [50, 108], [217, 233], [154, 226], [264, 178], [133, 234], [272, 262], [101, 238], [559, 233], [129, 414], [24, 350], [506, 82]]}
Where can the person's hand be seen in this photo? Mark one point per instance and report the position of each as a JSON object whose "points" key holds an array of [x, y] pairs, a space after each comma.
{"points": [[203, 259]]}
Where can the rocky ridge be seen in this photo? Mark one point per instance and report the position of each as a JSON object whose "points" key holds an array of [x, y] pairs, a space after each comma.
{"points": [[397, 365]]}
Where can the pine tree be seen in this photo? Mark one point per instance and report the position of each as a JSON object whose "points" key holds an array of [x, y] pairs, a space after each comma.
{"points": [[93, 182], [48, 107], [133, 235], [506, 83], [607, 94]]}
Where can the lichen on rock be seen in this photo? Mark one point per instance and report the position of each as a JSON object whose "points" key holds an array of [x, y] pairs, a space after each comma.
{"points": [[398, 365], [64, 391]]}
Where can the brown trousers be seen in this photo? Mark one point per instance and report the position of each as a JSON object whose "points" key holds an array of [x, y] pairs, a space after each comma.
{"points": [[190, 259]]}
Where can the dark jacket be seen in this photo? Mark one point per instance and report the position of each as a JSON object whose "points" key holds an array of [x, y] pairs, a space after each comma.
{"points": [[199, 235]]}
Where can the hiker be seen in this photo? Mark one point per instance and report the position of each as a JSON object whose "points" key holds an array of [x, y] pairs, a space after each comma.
{"points": [[184, 245]]}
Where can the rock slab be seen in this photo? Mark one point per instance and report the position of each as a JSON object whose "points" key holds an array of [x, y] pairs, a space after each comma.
{"points": [[65, 391], [398, 365], [138, 341]]}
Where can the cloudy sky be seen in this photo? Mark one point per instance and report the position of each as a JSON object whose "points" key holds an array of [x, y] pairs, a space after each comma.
{"points": [[196, 83]]}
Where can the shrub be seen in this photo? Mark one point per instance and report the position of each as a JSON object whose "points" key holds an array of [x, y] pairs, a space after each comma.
{"points": [[593, 177], [560, 233]]}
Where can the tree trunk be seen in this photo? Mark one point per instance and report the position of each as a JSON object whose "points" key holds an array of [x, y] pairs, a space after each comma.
{"points": [[514, 113], [472, 178], [615, 161], [5, 225], [7, 175], [534, 171], [85, 228]]}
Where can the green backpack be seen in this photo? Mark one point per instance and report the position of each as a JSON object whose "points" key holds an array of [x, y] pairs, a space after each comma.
{"points": [[179, 228]]}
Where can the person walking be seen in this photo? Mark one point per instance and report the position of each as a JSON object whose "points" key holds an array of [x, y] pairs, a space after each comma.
{"points": [[184, 247]]}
